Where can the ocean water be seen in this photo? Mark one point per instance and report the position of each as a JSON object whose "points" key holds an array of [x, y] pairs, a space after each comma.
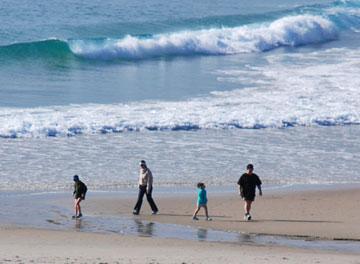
{"points": [[197, 89]]}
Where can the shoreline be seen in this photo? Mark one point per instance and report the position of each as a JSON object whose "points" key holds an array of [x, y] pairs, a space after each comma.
{"points": [[189, 190], [291, 231], [322, 212]]}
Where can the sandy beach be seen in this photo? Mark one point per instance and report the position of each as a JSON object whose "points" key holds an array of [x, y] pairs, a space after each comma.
{"points": [[92, 91], [44, 246], [309, 215], [325, 214]]}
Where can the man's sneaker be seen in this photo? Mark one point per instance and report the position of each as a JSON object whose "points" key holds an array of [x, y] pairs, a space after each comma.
{"points": [[135, 212], [208, 219], [73, 217], [247, 217], [155, 212], [195, 218]]}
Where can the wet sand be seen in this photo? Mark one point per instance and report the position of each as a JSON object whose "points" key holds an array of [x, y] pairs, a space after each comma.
{"points": [[325, 214], [313, 214], [45, 246]]}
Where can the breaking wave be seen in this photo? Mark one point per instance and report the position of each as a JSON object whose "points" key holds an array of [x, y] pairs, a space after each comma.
{"points": [[301, 26], [221, 111]]}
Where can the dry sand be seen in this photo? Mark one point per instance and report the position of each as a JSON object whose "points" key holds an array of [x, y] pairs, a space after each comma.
{"points": [[43, 246]]}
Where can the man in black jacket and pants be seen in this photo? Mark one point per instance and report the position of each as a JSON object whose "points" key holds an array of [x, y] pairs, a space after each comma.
{"points": [[248, 183]]}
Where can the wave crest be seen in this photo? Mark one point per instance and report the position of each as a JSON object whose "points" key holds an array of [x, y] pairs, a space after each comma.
{"points": [[304, 25], [288, 31]]}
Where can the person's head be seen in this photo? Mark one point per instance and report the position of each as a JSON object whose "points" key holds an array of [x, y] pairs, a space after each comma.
{"points": [[250, 168], [76, 178], [201, 185], [143, 164]]}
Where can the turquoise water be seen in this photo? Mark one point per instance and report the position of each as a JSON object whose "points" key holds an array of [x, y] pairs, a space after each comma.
{"points": [[29, 21], [206, 85], [66, 52], [82, 68]]}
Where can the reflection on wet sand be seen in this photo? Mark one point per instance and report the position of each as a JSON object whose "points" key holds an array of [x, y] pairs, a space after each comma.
{"points": [[146, 229], [56, 217], [202, 234], [78, 224]]}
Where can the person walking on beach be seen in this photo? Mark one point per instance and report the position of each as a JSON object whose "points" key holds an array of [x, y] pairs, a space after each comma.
{"points": [[248, 183], [145, 187], [201, 202], [79, 193]]}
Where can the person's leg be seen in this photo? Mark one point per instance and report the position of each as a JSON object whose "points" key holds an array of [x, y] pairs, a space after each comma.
{"points": [[77, 207], [247, 206], [196, 212], [206, 211], [137, 207], [151, 201]]}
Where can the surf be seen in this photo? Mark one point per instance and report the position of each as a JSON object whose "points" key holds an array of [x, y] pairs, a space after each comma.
{"points": [[289, 31], [224, 111], [216, 36]]}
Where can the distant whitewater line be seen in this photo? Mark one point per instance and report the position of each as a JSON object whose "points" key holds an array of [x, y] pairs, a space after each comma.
{"points": [[229, 110]]}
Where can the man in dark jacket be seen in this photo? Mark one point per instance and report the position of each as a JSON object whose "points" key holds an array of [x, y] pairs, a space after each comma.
{"points": [[79, 193], [248, 183]]}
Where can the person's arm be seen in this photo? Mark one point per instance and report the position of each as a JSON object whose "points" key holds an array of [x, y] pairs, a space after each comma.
{"points": [[149, 181], [83, 190], [241, 188], [259, 185], [241, 192], [202, 195]]}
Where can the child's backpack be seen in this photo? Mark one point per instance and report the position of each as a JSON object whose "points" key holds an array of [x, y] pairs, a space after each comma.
{"points": [[84, 187]]}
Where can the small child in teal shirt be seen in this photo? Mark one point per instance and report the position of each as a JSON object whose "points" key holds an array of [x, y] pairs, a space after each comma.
{"points": [[201, 201]]}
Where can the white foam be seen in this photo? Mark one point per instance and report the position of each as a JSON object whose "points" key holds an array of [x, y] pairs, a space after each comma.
{"points": [[286, 94], [287, 31]]}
